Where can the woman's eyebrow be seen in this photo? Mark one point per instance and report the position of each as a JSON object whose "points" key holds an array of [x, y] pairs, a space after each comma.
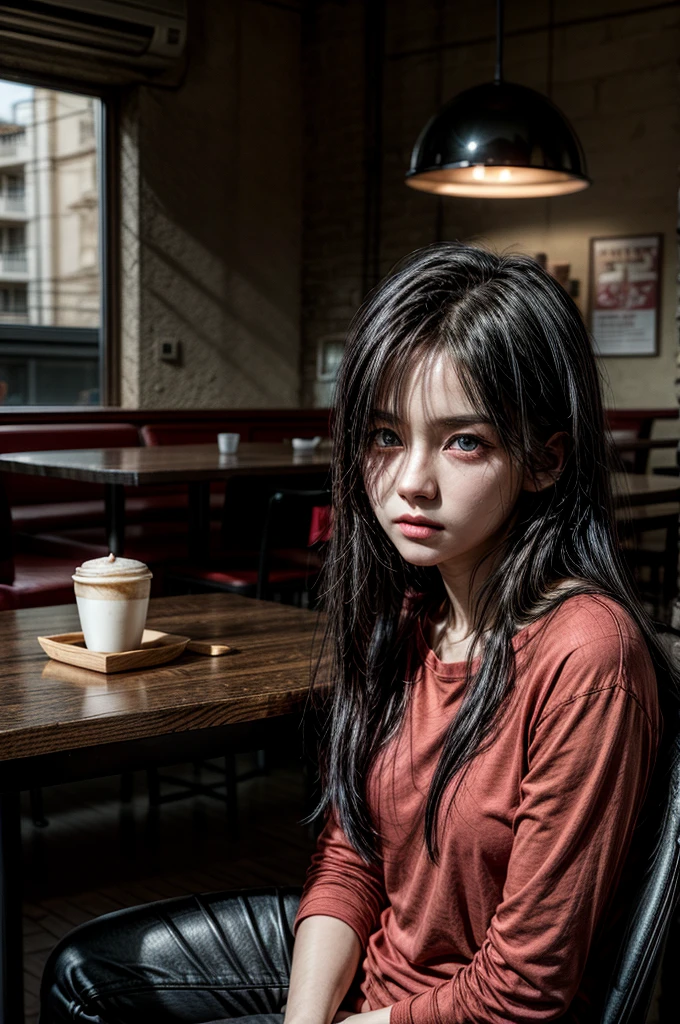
{"points": [[447, 421]]}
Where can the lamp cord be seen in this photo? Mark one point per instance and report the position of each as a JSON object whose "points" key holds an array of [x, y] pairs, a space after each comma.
{"points": [[498, 77], [551, 47]]}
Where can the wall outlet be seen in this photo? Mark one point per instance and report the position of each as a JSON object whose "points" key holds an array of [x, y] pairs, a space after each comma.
{"points": [[169, 351]]}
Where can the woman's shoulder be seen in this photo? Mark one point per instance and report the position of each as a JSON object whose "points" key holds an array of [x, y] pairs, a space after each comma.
{"points": [[588, 643], [584, 618]]}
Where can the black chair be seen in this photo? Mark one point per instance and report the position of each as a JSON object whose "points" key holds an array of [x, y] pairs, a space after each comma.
{"points": [[290, 508], [657, 555], [652, 918], [288, 562]]}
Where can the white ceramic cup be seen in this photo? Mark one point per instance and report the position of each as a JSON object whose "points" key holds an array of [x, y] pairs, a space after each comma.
{"points": [[112, 595], [306, 444], [228, 443]]}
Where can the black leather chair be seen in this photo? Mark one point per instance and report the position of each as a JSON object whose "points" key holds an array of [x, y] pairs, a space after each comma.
{"points": [[654, 910]]}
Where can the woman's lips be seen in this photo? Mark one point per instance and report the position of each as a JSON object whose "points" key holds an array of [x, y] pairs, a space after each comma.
{"points": [[418, 531]]}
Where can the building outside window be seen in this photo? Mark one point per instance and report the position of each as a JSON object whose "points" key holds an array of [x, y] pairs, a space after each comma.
{"points": [[50, 228]]}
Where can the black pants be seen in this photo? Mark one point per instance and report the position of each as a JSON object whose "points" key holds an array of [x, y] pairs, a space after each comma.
{"points": [[192, 959]]}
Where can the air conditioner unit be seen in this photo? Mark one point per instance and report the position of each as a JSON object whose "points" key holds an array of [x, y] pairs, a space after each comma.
{"points": [[114, 41]]}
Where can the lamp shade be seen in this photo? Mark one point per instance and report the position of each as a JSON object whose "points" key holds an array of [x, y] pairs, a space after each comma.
{"points": [[499, 141]]}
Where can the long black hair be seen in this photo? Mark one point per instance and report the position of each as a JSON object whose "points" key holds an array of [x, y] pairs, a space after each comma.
{"points": [[525, 362]]}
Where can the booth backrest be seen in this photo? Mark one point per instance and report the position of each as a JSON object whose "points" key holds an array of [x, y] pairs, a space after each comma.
{"points": [[6, 551], [206, 433], [33, 490], [176, 433]]}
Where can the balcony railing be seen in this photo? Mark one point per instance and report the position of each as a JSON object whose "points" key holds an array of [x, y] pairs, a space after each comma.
{"points": [[14, 261], [14, 147], [13, 203]]}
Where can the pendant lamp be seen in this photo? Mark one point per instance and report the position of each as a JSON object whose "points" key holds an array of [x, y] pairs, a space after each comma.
{"points": [[498, 141]]}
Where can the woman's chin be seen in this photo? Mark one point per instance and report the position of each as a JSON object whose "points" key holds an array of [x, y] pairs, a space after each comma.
{"points": [[420, 555]]}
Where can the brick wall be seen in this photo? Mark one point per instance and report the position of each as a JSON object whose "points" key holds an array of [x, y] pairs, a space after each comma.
{"points": [[615, 76]]}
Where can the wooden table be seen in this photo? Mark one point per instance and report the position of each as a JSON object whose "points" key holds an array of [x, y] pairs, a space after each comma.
{"points": [[645, 444], [59, 723], [644, 488], [195, 464]]}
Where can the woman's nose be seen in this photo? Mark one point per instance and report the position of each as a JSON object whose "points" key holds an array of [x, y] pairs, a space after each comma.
{"points": [[417, 478]]}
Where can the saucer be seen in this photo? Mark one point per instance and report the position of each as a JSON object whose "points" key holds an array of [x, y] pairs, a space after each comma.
{"points": [[157, 648]]}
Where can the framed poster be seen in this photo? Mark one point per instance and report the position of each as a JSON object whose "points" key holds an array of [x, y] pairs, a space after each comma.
{"points": [[329, 353], [625, 294]]}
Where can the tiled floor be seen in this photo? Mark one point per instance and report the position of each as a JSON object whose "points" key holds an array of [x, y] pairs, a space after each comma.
{"points": [[99, 855]]}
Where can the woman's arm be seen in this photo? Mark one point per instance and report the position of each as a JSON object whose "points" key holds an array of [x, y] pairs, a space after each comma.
{"points": [[325, 958], [339, 908]]}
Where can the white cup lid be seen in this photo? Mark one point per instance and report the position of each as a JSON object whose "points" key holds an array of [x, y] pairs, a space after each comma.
{"points": [[113, 565]]}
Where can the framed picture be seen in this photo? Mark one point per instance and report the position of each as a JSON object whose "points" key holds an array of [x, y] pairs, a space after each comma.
{"points": [[625, 294], [329, 354]]}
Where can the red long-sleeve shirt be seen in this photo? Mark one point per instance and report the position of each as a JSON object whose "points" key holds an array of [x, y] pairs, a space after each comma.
{"points": [[520, 920]]}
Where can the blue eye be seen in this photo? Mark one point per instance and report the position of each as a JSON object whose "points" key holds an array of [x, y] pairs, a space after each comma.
{"points": [[386, 438], [467, 442]]}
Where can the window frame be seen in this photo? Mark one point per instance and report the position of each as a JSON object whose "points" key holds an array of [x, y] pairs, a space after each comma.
{"points": [[108, 181]]}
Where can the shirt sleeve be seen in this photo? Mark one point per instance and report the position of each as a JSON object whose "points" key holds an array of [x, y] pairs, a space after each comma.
{"points": [[340, 884], [588, 764]]}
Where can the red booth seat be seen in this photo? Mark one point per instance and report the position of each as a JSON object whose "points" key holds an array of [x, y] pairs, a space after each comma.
{"points": [[40, 503], [30, 580], [64, 515], [144, 541], [32, 490], [38, 581]]}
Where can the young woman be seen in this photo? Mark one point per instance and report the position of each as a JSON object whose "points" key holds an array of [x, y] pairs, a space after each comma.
{"points": [[497, 704], [495, 717]]}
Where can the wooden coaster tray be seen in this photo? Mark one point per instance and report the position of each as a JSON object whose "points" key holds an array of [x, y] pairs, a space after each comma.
{"points": [[157, 649]]}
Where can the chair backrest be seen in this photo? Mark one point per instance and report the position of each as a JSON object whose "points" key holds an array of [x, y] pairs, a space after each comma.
{"points": [[286, 507], [246, 506], [655, 903]]}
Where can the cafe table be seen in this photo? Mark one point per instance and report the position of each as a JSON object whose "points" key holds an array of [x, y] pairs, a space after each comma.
{"points": [[644, 488], [194, 464], [59, 723]]}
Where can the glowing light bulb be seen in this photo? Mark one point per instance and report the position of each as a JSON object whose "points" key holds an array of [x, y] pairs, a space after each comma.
{"points": [[478, 173], [472, 146], [504, 175]]}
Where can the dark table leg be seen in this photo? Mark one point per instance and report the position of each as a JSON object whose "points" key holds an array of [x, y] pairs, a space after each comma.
{"points": [[11, 939], [115, 518], [199, 520]]}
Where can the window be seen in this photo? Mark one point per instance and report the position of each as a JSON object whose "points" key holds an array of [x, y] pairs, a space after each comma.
{"points": [[50, 242]]}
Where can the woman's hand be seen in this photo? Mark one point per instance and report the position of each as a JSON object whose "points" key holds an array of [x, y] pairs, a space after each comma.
{"points": [[368, 1016], [342, 1015]]}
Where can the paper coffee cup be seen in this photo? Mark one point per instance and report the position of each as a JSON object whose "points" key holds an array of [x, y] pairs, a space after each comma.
{"points": [[112, 595]]}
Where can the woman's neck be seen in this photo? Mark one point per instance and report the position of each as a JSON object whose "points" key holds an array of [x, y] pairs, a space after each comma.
{"points": [[457, 623], [444, 643], [451, 639]]}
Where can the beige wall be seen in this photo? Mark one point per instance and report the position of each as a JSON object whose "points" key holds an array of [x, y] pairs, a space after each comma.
{"points": [[616, 79], [211, 217]]}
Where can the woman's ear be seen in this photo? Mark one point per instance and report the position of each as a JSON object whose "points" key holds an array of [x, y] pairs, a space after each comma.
{"points": [[556, 449]]}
